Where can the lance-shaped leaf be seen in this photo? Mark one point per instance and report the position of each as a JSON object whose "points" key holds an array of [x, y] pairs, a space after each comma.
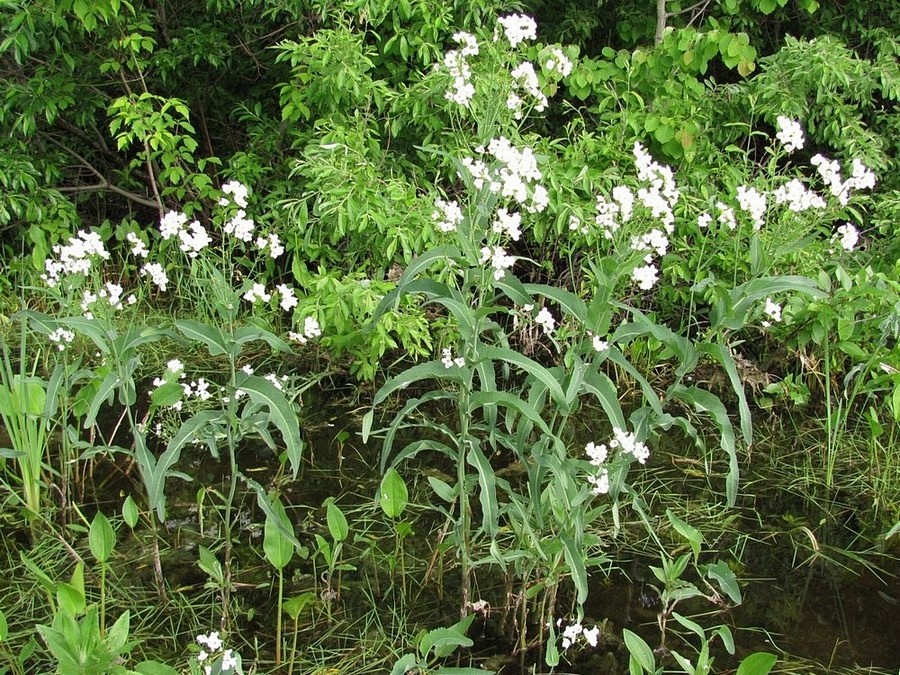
{"points": [[281, 413], [215, 340], [531, 367]]}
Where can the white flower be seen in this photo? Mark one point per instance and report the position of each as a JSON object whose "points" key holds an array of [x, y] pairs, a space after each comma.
{"points": [[599, 344], [703, 220], [157, 274], [175, 366], [447, 215], [240, 226], [171, 224], [798, 197], [212, 641], [75, 257], [627, 443], [229, 661], [288, 298], [592, 636], [726, 216], [500, 261], [773, 310], [462, 90], [754, 202], [247, 369], [61, 337], [468, 42], [257, 292], [238, 192], [597, 453], [790, 134], [138, 247], [271, 242], [558, 62], [645, 277], [507, 222], [848, 235], [599, 482], [518, 27], [448, 361], [311, 329], [545, 320]]}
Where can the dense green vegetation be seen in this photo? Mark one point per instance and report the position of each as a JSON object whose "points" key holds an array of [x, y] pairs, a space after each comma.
{"points": [[418, 337]]}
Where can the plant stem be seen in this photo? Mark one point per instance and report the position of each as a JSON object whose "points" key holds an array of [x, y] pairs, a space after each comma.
{"points": [[278, 617]]}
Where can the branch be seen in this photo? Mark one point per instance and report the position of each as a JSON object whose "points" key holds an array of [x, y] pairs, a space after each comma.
{"points": [[102, 183]]}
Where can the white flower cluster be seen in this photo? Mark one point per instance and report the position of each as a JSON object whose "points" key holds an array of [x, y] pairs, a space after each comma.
{"points": [[157, 274], [517, 172], [193, 237], [61, 338], [500, 261], [138, 247], [558, 62], [798, 197], [861, 177], [525, 80], [753, 202], [848, 236], [462, 90], [545, 320], [612, 214], [518, 28], [773, 311], [789, 134], [110, 292], [240, 226], [598, 455], [311, 329], [210, 645], [288, 297], [447, 215], [75, 257], [726, 216], [574, 632], [238, 194], [256, 293], [661, 195], [272, 242], [448, 360], [598, 343], [509, 223]]}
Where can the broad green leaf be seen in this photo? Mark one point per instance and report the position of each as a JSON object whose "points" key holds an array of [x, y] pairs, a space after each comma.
{"points": [[70, 599], [281, 413], [405, 664], [400, 417], [246, 334], [265, 503], [723, 355], [724, 576], [101, 538], [424, 371], [4, 627], [413, 270], [444, 641], [393, 495], [154, 668], [130, 512], [529, 366], [640, 650], [604, 390], [296, 604], [117, 636], [103, 395], [758, 663], [693, 536], [442, 489], [487, 490], [484, 399], [575, 561], [277, 547], [569, 302], [692, 626], [214, 339], [704, 401], [337, 521]]}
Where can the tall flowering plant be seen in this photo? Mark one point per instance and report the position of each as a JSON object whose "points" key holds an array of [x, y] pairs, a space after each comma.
{"points": [[540, 524]]}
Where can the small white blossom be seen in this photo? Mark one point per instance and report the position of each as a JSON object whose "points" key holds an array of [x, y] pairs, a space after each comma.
{"points": [[61, 338], [288, 297], [790, 134], [773, 311], [517, 28], [238, 192], [507, 222], [754, 202], [645, 276], [848, 235], [257, 292], [545, 320], [447, 215], [157, 274], [558, 62], [498, 258], [138, 247]]}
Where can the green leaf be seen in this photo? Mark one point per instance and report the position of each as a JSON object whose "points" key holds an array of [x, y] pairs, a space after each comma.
{"points": [[487, 490], [723, 355], [640, 651], [265, 503], [570, 303], [444, 641], [575, 560], [413, 270], [693, 536], [277, 547], [4, 627], [393, 495], [706, 402], [758, 663], [246, 334], [337, 521], [214, 339], [130, 512], [281, 413], [529, 366], [442, 489], [296, 604], [101, 538], [424, 371], [154, 668], [724, 576]]}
